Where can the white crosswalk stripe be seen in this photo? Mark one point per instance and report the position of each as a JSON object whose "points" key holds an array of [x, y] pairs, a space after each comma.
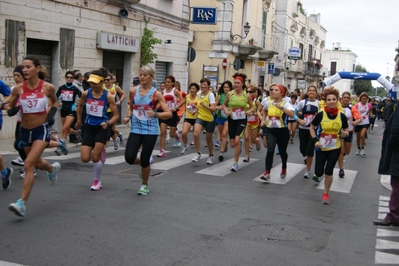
{"points": [[224, 168], [176, 162], [390, 235], [343, 185], [292, 170]]}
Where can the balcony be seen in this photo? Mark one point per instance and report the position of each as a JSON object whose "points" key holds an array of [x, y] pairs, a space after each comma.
{"points": [[311, 69], [269, 47]]}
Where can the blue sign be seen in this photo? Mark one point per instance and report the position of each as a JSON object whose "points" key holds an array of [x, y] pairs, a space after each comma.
{"points": [[359, 75], [270, 68], [204, 15]]}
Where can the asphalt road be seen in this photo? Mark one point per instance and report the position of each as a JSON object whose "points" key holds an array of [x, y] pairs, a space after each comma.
{"points": [[196, 214]]}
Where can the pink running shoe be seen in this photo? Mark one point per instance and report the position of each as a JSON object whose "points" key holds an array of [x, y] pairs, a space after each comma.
{"points": [[96, 185]]}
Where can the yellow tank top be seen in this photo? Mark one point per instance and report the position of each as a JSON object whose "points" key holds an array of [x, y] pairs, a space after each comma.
{"points": [[204, 114], [275, 116], [191, 107], [330, 132], [112, 91]]}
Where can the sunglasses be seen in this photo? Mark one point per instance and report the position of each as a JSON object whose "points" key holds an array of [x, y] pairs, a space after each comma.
{"points": [[107, 79], [69, 77], [249, 91]]}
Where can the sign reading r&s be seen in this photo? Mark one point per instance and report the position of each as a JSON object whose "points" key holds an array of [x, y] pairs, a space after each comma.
{"points": [[204, 15]]}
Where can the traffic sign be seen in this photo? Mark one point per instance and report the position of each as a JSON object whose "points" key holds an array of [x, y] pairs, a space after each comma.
{"points": [[276, 72], [224, 64], [237, 64], [294, 53], [191, 54]]}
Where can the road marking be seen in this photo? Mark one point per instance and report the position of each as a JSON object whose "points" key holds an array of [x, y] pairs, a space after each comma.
{"points": [[342, 185], [386, 232], [292, 170], [386, 181], [6, 263], [386, 244], [176, 162], [224, 168]]}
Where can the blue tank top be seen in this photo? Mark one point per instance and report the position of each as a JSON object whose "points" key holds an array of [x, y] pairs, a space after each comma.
{"points": [[141, 123], [96, 109]]}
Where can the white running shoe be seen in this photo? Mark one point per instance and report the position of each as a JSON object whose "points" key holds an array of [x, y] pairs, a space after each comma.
{"points": [[362, 152], [184, 149], [196, 158], [357, 151], [116, 143], [18, 162], [210, 160], [96, 185]]}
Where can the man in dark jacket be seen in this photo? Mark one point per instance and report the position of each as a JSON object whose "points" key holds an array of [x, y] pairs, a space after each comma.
{"points": [[388, 109], [389, 165]]}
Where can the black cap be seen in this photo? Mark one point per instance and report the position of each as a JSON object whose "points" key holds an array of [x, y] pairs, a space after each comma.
{"points": [[136, 80], [87, 74]]}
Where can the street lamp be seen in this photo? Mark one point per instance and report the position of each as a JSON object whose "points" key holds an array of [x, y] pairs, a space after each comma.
{"points": [[246, 31]]}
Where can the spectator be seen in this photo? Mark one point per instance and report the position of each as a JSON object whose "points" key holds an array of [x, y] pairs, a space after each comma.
{"points": [[388, 109]]}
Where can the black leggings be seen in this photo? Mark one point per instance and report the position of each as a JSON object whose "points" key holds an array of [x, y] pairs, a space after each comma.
{"points": [[325, 161], [279, 136], [18, 143], [133, 145]]}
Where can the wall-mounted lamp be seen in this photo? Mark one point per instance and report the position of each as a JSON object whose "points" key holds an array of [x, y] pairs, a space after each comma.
{"points": [[168, 41], [123, 13], [246, 31]]}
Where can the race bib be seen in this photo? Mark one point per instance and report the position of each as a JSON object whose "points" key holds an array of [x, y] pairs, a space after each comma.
{"points": [[33, 103], [251, 118], [141, 111], [274, 122], [171, 104], [192, 108], [308, 119], [328, 140], [238, 113], [95, 107], [67, 96]]}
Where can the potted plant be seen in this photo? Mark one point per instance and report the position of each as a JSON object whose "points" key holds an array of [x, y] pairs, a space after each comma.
{"points": [[251, 41]]}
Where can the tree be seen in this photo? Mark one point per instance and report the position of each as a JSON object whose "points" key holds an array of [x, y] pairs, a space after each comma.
{"points": [[147, 45], [388, 78], [362, 85]]}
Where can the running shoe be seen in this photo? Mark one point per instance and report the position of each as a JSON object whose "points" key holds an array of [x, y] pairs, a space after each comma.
{"points": [[58, 151], [283, 173], [184, 149], [221, 157], [103, 156], [234, 168], [317, 178], [246, 160], [79, 135], [210, 160], [357, 151], [192, 143], [96, 185], [197, 157], [278, 152], [151, 160], [341, 173], [18, 208], [325, 199], [121, 139], [63, 146], [116, 143], [257, 144], [18, 162], [52, 177], [250, 148], [177, 144], [6, 180], [362, 152], [143, 190], [265, 176], [22, 175], [217, 144], [161, 153], [307, 174]]}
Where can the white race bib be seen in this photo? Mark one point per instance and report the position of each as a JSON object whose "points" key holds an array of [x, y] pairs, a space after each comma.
{"points": [[67, 96], [141, 111], [33, 103], [308, 119], [238, 113], [95, 107], [274, 122], [328, 140]]}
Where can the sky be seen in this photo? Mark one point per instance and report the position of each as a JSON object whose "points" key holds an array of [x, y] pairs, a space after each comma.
{"points": [[367, 28]]}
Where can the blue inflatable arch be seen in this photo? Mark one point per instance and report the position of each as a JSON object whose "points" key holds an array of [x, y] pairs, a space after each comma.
{"points": [[362, 76]]}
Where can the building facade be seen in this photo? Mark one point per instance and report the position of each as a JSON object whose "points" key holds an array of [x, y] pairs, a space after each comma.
{"points": [[295, 29], [86, 35], [340, 59], [226, 40]]}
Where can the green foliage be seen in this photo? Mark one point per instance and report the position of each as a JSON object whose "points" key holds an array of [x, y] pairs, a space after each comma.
{"points": [[362, 85], [381, 91], [147, 45], [301, 9]]}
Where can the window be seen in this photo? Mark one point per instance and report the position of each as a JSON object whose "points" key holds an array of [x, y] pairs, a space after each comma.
{"points": [[242, 63], [301, 47], [310, 52], [333, 68]]}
